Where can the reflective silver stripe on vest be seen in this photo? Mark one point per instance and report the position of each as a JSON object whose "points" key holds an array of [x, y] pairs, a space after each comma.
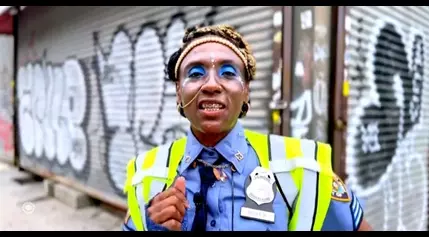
{"points": [[309, 189], [160, 164], [140, 201], [139, 190], [278, 156]]}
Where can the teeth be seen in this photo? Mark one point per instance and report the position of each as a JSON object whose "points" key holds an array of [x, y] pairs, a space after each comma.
{"points": [[212, 107]]}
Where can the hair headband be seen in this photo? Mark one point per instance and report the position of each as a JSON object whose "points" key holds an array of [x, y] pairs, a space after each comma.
{"points": [[208, 39]]}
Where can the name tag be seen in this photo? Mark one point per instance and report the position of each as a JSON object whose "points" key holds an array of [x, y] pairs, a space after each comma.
{"points": [[258, 214]]}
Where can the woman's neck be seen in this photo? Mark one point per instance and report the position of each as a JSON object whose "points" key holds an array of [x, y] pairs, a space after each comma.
{"points": [[209, 139]]}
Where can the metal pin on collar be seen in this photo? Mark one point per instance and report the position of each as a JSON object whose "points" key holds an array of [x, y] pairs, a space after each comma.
{"points": [[238, 156]]}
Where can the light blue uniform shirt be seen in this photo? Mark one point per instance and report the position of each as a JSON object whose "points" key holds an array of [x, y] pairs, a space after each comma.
{"points": [[225, 199]]}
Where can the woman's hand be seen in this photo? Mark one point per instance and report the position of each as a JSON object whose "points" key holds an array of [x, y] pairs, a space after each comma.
{"points": [[169, 207]]}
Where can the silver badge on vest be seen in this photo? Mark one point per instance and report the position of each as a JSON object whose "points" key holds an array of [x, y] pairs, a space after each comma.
{"points": [[260, 193]]}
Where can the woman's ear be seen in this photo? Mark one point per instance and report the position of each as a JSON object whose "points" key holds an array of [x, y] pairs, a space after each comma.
{"points": [[246, 91], [178, 93]]}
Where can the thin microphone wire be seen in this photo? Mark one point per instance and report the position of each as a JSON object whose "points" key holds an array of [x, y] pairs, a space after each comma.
{"points": [[195, 96], [198, 92]]}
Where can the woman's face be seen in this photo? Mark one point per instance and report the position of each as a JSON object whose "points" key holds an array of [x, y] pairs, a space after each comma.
{"points": [[214, 75]]}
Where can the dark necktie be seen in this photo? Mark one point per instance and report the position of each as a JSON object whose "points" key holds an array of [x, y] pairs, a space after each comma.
{"points": [[200, 199]]}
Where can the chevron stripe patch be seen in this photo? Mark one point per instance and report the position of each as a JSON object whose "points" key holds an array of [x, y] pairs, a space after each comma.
{"points": [[357, 212]]}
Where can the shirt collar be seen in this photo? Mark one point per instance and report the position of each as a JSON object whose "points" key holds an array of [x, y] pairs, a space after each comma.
{"points": [[233, 147]]}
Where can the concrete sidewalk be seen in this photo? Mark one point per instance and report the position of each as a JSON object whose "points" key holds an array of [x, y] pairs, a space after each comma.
{"points": [[24, 205]]}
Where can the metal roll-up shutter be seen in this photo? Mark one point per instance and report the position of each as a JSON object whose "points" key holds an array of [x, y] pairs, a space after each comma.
{"points": [[6, 98], [387, 65], [91, 86], [255, 23], [310, 83]]}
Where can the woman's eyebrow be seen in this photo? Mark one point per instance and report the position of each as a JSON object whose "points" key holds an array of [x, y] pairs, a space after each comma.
{"points": [[229, 61], [202, 61], [192, 64]]}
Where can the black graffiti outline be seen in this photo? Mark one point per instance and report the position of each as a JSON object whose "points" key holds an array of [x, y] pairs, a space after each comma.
{"points": [[109, 131], [148, 139], [391, 113], [170, 131]]}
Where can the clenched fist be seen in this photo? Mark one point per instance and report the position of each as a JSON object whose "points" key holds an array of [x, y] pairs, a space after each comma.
{"points": [[169, 207]]}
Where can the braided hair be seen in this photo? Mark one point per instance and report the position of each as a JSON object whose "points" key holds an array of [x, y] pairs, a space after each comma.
{"points": [[224, 31]]}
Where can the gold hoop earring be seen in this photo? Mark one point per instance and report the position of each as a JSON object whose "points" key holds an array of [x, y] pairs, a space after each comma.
{"points": [[180, 110]]}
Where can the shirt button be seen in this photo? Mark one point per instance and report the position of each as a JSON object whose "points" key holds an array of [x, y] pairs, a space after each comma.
{"points": [[220, 208], [211, 153], [213, 223]]}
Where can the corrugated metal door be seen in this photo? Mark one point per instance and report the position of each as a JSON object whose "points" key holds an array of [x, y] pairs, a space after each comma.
{"points": [[387, 65], [91, 83], [310, 84], [6, 98]]}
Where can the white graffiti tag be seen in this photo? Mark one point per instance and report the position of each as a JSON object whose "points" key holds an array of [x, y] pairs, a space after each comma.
{"points": [[52, 109], [143, 115]]}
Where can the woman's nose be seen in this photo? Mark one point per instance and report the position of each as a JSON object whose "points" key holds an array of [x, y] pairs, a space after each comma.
{"points": [[211, 85]]}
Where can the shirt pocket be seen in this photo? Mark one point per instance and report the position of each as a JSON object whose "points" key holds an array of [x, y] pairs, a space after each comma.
{"points": [[188, 219]]}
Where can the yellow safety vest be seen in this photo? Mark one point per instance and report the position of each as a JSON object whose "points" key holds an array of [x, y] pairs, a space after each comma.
{"points": [[302, 167]]}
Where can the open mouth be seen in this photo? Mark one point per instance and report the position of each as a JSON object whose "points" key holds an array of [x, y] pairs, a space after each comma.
{"points": [[211, 106]]}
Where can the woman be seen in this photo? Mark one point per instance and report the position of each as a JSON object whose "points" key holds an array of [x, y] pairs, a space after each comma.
{"points": [[222, 177]]}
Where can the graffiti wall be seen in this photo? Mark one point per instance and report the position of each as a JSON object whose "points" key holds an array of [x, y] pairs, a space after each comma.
{"points": [[52, 112], [388, 127], [310, 83], [6, 98], [93, 97]]}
